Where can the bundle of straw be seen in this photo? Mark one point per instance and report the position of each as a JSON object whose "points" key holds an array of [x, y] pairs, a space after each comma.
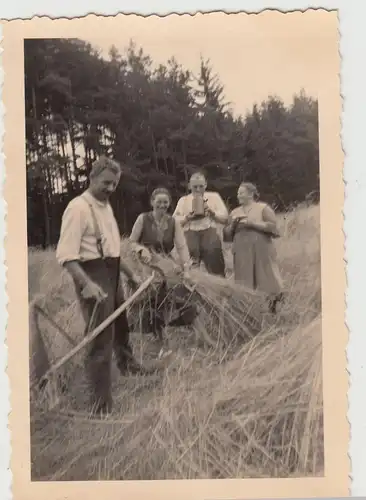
{"points": [[228, 313]]}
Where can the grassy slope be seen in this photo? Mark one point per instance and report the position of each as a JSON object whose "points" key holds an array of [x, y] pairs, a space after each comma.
{"points": [[257, 415]]}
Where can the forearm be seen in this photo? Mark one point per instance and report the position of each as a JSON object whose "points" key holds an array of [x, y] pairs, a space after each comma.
{"points": [[136, 232], [271, 227], [126, 270], [180, 244], [220, 213], [270, 221], [77, 273], [184, 221], [220, 218], [183, 257], [266, 227], [180, 218]]}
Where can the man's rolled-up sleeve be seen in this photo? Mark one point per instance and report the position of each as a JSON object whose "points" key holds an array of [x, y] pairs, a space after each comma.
{"points": [[180, 210], [72, 228]]}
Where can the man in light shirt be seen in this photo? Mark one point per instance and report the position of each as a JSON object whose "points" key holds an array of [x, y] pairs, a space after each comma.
{"points": [[201, 231], [89, 248]]}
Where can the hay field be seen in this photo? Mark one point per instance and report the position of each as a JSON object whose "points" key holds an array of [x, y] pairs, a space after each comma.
{"points": [[254, 413]]}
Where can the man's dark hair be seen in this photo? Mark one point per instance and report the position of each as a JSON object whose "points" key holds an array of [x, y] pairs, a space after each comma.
{"points": [[198, 173]]}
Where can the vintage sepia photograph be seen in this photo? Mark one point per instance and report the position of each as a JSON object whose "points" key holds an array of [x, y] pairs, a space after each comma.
{"points": [[178, 303]]}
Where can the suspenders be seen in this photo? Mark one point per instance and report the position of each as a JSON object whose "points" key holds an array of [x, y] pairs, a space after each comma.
{"points": [[97, 232]]}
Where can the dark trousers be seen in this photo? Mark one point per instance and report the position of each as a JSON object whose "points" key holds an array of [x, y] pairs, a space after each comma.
{"points": [[206, 246], [106, 274]]}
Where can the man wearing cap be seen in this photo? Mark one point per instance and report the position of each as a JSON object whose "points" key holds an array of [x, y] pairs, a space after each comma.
{"points": [[199, 213], [89, 248]]}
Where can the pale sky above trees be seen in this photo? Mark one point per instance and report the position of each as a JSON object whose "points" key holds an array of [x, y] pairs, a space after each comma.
{"points": [[254, 56]]}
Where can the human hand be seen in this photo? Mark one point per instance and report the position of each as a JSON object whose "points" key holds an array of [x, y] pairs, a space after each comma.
{"points": [[92, 291], [134, 281], [145, 256], [177, 269], [186, 270], [209, 213], [240, 217], [142, 254], [231, 219], [188, 217], [207, 210], [186, 275]]}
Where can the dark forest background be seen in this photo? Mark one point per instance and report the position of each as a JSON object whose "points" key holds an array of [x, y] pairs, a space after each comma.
{"points": [[160, 123]]}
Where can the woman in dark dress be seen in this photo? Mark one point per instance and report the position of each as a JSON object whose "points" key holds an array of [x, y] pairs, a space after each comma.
{"points": [[158, 232]]}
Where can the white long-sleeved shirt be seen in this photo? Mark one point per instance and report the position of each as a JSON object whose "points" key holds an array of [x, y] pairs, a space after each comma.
{"points": [[77, 237], [214, 202]]}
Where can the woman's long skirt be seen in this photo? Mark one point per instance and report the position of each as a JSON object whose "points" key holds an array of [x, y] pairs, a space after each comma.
{"points": [[255, 262]]}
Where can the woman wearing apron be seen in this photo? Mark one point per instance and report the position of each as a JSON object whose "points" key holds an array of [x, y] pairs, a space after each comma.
{"points": [[157, 231], [252, 227]]}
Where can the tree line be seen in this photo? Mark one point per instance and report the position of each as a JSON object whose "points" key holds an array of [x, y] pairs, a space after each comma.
{"points": [[161, 123]]}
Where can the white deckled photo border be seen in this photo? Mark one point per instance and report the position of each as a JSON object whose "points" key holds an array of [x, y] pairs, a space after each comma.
{"points": [[353, 84]]}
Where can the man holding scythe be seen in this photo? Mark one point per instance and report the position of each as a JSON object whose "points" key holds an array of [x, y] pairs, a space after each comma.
{"points": [[89, 248]]}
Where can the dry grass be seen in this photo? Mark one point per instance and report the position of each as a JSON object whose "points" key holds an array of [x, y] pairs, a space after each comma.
{"points": [[216, 412]]}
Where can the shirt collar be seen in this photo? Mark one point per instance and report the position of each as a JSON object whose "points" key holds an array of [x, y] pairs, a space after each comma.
{"points": [[205, 194], [94, 200]]}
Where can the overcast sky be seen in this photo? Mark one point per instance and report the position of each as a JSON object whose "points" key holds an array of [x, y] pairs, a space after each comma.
{"points": [[256, 55]]}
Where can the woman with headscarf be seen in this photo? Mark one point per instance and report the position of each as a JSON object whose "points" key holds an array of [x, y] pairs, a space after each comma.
{"points": [[252, 227], [158, 232]]}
